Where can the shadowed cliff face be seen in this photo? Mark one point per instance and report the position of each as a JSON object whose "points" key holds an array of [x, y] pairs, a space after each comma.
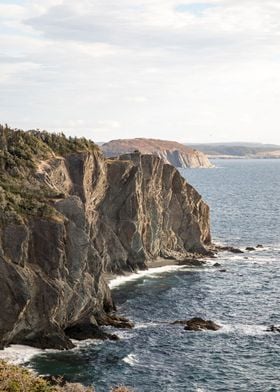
{"points": [[112, 215]]}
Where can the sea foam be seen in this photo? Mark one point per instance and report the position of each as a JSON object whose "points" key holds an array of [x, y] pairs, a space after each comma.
{"points": [[19, 354], [120, 280]]}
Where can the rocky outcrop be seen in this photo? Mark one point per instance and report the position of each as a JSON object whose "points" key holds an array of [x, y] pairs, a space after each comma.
{"points": [[173, 153], [198, 324], [113, 215]]}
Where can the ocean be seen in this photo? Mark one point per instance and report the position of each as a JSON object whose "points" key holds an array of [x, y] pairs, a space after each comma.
{"points": [[244, 198]]}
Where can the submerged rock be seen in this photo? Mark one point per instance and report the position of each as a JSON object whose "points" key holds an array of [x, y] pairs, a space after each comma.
{"points": [[192, 262], [273, 328], [250, 249], [217, 265], [259, 246], [229, 249]]}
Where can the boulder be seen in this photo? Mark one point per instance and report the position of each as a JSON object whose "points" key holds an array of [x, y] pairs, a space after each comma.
{"points": [[198, 324]]}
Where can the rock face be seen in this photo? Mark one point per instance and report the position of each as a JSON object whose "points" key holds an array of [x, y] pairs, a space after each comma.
{"points": [[173, 153], [113, 215]]}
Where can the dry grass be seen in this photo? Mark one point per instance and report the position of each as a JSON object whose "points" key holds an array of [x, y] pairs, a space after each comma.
{"points": [[17, 379]]}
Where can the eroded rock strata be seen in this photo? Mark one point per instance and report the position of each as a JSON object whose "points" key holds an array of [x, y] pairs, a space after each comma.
{"points": [[92, 216]]}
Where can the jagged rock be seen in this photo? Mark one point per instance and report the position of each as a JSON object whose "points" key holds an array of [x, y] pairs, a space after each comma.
{"points": [[116, 321], [88, 331], [115, 216], [43, 339], [217, 265], [250, 249], [273, 328], [198, 324]]}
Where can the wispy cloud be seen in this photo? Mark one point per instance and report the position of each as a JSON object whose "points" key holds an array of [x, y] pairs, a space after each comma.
{"points": [[210, 69]]}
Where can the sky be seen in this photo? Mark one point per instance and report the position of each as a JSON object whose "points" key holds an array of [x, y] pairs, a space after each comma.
{"points": [[185, 70]]}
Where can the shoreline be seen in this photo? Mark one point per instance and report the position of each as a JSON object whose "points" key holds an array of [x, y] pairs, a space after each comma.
{"points": [[21, 354], [153, 268]]}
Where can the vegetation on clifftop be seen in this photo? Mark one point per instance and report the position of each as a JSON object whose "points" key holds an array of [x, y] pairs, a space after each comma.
{"points": [[17, 379], [20, 153]]}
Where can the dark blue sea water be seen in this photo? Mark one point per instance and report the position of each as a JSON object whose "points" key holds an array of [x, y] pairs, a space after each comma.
{"points": [[244, 197]]}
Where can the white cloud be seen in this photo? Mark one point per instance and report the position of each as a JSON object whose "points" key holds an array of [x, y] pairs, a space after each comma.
{"points": [[186, 70]]}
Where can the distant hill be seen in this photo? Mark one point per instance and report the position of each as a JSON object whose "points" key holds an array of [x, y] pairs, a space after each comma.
{"points": [[239, 150], [171, 152]]}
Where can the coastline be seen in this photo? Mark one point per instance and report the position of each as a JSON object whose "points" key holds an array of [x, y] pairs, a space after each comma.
{"points": [[21, 354], [155, 267]]}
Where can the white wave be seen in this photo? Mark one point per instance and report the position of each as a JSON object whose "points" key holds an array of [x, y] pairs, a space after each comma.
{"points": [[130, 359], [234, 257], [19, 354], [120, 280], [145, 325], [243, 329], [82, 344]]}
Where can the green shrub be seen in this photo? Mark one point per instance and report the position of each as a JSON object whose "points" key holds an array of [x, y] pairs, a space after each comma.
{"points": [[16, 379], [21, 191]]}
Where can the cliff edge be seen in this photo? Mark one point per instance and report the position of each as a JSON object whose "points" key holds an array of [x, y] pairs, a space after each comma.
{"points": [[67, 217], [174, 153]]}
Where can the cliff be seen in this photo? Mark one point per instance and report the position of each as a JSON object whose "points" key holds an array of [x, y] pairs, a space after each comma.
{"points": [[67, 217], [173, 153]]}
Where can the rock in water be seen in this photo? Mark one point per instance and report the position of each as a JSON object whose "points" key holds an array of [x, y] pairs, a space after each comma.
{"points": [[250, 249], [198, 324], [273, 328], [67, 217], [229, 249]]}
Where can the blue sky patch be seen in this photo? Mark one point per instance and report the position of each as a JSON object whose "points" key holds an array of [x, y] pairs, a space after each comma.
{"points": [[194, 8]]}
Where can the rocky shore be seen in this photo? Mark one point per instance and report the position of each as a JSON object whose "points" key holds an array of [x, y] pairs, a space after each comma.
{"points": [[68, 218]]}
